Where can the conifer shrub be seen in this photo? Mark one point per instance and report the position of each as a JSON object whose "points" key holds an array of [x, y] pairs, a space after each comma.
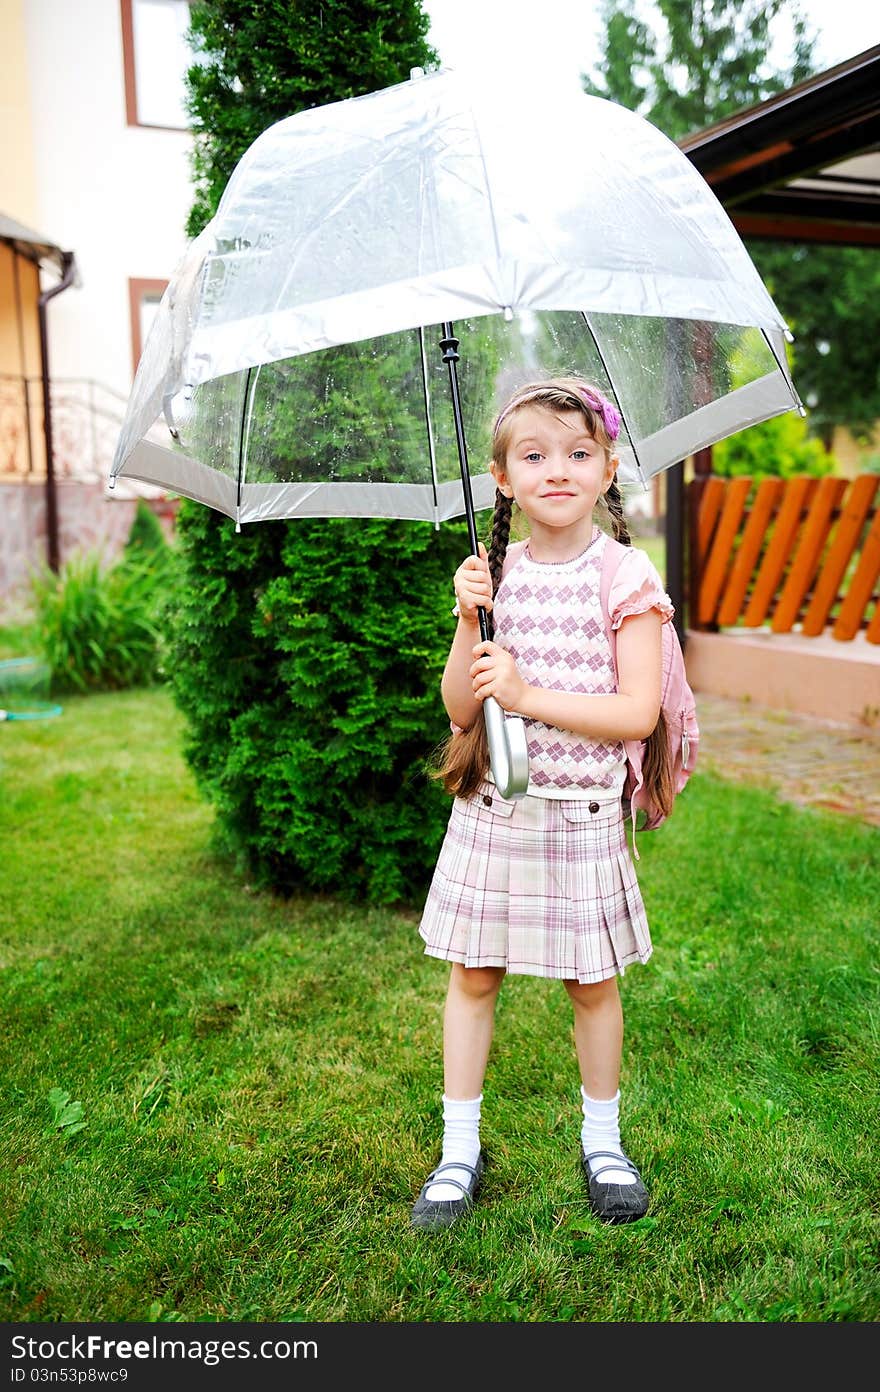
{"points": [[308, 662]]}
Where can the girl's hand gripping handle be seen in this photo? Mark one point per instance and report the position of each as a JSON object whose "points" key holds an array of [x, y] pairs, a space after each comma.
{"points": [[508, 748]]}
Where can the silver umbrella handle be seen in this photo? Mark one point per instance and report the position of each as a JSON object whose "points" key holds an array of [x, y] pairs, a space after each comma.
{"points": [[508, 750]]}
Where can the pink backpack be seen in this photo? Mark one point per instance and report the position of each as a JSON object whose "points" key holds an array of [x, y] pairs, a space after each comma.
{"points": [[677, 701]]}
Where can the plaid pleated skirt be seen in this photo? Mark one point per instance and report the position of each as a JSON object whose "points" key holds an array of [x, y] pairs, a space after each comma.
{"points": [[540, 886]]}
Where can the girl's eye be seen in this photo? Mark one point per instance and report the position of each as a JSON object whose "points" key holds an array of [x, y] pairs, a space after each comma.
{"points": [[533, 456], [579, 455]]}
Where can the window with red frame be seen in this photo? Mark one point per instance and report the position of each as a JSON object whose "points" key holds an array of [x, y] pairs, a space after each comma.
{"points": [[144, 297], [155, 57]]}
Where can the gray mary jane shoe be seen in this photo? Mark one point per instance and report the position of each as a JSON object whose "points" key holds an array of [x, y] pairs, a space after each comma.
{"points": [[614, 1203], [441, 1213]]}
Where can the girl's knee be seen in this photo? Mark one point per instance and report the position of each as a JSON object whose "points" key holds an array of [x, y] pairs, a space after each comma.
{"points": [[476, 982], [592, 995]]}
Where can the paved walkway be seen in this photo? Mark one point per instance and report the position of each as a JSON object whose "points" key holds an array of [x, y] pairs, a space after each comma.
{"points": [[811, 762]]}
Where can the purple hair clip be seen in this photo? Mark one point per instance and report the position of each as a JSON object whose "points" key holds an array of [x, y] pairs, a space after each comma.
{"points": [[609, 414]]}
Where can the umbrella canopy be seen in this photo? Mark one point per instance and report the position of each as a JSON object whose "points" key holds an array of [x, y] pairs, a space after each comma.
{"points": [[293, 365]]}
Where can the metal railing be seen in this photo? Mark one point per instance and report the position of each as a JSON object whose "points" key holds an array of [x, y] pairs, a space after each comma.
{"points": [[86, 419]]}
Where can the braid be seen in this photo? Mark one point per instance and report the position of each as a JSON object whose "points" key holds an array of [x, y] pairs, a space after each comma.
{"points": [[498, 544], [614, 503]]}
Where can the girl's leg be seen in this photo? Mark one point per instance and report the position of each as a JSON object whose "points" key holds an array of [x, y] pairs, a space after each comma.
{"points": [[598, 1034], [468, 1022], [598, 1037]]}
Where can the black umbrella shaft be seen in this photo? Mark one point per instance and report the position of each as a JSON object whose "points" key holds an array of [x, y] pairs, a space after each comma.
{"points": [[449, 349]]}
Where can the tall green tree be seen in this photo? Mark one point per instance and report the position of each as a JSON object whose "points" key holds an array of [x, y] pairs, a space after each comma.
{"points": [[307, 654], [262, 60], [830, 297], [684, 64]]}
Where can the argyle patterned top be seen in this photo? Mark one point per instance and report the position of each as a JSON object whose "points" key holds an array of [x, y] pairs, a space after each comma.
{"points": [[548, 617]]}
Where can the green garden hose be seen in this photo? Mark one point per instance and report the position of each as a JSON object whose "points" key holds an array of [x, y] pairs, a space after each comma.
{"points": [[45, 713], [24, 686]]}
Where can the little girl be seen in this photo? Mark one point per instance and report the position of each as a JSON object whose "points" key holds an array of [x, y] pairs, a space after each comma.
{"points": [[544, 885]]}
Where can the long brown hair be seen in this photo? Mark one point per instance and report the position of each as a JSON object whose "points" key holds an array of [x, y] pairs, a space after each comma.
{"points": [[463, 759]]}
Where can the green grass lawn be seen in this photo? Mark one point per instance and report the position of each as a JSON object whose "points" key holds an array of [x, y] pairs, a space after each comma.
{"points": [[219, 1105]]}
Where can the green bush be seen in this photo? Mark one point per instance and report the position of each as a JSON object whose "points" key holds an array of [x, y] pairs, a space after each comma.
{"points": [[146, 534], [307, 659], [98, 624], [779, 447]]}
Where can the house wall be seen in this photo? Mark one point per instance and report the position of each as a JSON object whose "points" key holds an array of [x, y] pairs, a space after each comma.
{"points": [[19, 317], [18, 188], [114, 194], [117, 196]]}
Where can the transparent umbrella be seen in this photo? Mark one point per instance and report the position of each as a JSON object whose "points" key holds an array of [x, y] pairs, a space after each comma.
{"points": [[381, 272]]}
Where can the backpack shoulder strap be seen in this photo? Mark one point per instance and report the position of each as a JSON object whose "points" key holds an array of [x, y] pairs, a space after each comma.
{"points": [[512, 555], [612, 555]]}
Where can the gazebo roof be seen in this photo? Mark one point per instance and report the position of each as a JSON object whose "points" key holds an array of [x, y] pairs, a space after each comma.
{"points": [[32, 245], [803, 166]]}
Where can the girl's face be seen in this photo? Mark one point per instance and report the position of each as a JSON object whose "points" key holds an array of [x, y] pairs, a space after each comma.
{"points": [[554, 469]]}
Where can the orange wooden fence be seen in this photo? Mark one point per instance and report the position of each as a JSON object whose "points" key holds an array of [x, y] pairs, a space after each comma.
{"points": [[788, 552]]}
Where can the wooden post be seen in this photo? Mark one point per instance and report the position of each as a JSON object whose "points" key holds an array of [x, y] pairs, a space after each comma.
{"points": [[675, 544], [695, 490]]}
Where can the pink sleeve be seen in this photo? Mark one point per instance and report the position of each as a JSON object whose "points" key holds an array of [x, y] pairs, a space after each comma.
{"points": [[636, 588]]}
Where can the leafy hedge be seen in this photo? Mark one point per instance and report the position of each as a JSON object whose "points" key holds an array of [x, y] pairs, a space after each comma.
{"points": [[307, 657], [778, 447]]}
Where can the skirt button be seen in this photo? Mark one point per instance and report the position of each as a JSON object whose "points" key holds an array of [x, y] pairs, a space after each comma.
{"points": [[488, 800], [594, 807]]}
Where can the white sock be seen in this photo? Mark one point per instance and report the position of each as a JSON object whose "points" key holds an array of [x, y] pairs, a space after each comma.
{"points": [[461, 1142], [601, 1131]]}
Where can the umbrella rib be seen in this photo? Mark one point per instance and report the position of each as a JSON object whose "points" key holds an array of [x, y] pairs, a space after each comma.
{"points": [[431, 453], [607, 371], [783, 368], [243, 429]]}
